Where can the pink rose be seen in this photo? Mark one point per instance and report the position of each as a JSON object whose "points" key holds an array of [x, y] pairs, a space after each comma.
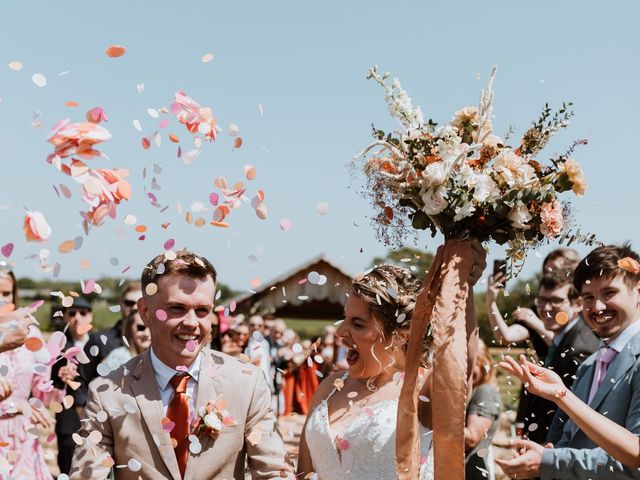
{"points": [[552, 220]]}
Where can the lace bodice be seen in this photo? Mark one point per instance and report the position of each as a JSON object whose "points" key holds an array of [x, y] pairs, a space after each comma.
{"points": [[366, 449]]}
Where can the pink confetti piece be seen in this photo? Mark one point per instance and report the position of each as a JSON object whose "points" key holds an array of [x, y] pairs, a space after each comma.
{"points": [[168, 427], [169, 244], [88, 287], [46, 386], [161, 315], [126, 269], [37, 304], [7, 249], [191, 346], [214, 198], [285, 224], [163, 123], [232, 306], [72, 352], [182, 368]]}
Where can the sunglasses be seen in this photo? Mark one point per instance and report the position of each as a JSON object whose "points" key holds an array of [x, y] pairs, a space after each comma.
{"points": [[129, 303], [140, 327], [82, 313]]}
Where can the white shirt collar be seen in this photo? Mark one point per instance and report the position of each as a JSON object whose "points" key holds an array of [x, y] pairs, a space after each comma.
{"points": [[621, 340], [165, 373]]}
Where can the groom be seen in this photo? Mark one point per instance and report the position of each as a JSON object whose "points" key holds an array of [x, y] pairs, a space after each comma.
{"points": [[140, 419]]}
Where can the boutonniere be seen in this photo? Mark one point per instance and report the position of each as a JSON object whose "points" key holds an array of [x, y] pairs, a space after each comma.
{"points": [[211, 418]]}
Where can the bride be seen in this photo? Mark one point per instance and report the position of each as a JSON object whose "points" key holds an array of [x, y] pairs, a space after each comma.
{"points": [[351, 428]]}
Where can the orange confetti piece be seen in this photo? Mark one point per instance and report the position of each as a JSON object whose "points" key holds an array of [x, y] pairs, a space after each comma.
{"points": [[629, 264], [71, 103], [255, 282], [189, 217], [249, 172], [237, 143], [7, 308], [174, 138], [165, 225], [562, 318], [3, 444], [33, 344], [115, 51], [66, 246], [221, 404], [219, 224], [200, 222], [84, 328], [141, 228], [84, 263]]}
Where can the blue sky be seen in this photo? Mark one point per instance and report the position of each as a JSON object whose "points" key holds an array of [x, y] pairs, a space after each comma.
{"points": [[305, 63]]}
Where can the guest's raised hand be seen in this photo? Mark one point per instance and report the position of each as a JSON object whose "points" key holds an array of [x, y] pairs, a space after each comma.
{"points": [[495, 284], [536, 379], [14, 328]]}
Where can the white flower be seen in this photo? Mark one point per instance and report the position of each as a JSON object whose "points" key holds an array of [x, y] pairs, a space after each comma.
{"points": [[436, 173], [486, 190], [202, 412], [435, 200], [461, 116], [213, 421], [514, 169], [493, 140], [519, 216], [464, 211]]}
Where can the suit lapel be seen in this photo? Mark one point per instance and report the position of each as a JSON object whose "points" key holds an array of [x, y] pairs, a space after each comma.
{"points": [[619, 366], [147, 395], [209, 386], [583, 385]]}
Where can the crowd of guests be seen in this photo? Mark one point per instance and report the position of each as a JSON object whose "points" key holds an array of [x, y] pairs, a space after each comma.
{"points": [[571, 423]]}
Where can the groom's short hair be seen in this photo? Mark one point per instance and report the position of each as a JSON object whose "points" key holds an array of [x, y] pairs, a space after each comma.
{"points": [[185, 263], [607, 261]]}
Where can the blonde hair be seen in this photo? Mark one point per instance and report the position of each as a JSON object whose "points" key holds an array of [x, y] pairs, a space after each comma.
{"points": [[8, 275]]}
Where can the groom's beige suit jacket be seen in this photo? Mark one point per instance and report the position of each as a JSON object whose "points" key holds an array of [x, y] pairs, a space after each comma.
{"points": [[132, 434]]}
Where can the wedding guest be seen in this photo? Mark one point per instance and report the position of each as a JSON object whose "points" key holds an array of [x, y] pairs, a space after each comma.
{"points": [[24, 398], [483, 412], [76, 320], [103, 342], [239, 339], [138, 339], [14, 325], [616, 440], [608, 381], [258, 349], [527, 325], [559, 307], [177, 377]]}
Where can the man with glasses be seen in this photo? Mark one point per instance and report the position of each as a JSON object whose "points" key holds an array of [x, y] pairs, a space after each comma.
{"points": [[558, 306]]}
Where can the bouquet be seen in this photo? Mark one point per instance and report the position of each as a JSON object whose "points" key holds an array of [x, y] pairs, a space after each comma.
{"points": [[463, 180]]}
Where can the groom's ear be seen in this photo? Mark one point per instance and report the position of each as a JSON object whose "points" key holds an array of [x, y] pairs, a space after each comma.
{"points": [[143, 310]]}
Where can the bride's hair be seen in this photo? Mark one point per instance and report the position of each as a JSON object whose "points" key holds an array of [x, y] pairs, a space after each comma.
{"points": [[390, 292]]}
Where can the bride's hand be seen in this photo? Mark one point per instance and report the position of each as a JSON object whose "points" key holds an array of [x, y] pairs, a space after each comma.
{"points": [[536, 379], [479, 256]]}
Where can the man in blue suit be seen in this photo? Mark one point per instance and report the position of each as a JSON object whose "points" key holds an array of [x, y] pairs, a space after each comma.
{"points": [[609, 380]]}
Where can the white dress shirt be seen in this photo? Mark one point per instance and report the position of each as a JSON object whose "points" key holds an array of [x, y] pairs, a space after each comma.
{"points": [[164, 374]]}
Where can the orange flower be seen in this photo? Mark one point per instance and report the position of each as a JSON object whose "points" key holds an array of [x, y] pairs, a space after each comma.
{"points": [[629, 264]]}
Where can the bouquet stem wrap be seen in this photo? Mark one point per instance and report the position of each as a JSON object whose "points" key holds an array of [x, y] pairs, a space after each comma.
{"points": [[443, 301]]}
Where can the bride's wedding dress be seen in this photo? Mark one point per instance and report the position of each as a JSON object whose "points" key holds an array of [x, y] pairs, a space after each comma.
{"points": [[366, 450]]}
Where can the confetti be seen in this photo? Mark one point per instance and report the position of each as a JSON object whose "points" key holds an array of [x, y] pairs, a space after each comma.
{"points": [[207, 57], [285, 224], [322, 208], [7, 249], [115, 51], [36, 228], [15, 66], [161, 315], [39, 79], [151, 289], [562, 318]]}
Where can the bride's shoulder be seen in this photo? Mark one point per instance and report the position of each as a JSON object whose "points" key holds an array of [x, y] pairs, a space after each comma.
{"points": [[326, 387]]}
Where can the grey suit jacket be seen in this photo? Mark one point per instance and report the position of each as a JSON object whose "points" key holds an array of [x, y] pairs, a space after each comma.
{"points": [[123, 425], [576, 456]]}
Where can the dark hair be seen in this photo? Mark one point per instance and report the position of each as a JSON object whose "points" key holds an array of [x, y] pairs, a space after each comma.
{"points": [[569, 255], [603, 261], [560, 278], [127, 330], [185, 263]]}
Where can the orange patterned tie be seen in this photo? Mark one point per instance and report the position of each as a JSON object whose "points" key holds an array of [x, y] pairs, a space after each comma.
{"points": [[178, 413]]}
